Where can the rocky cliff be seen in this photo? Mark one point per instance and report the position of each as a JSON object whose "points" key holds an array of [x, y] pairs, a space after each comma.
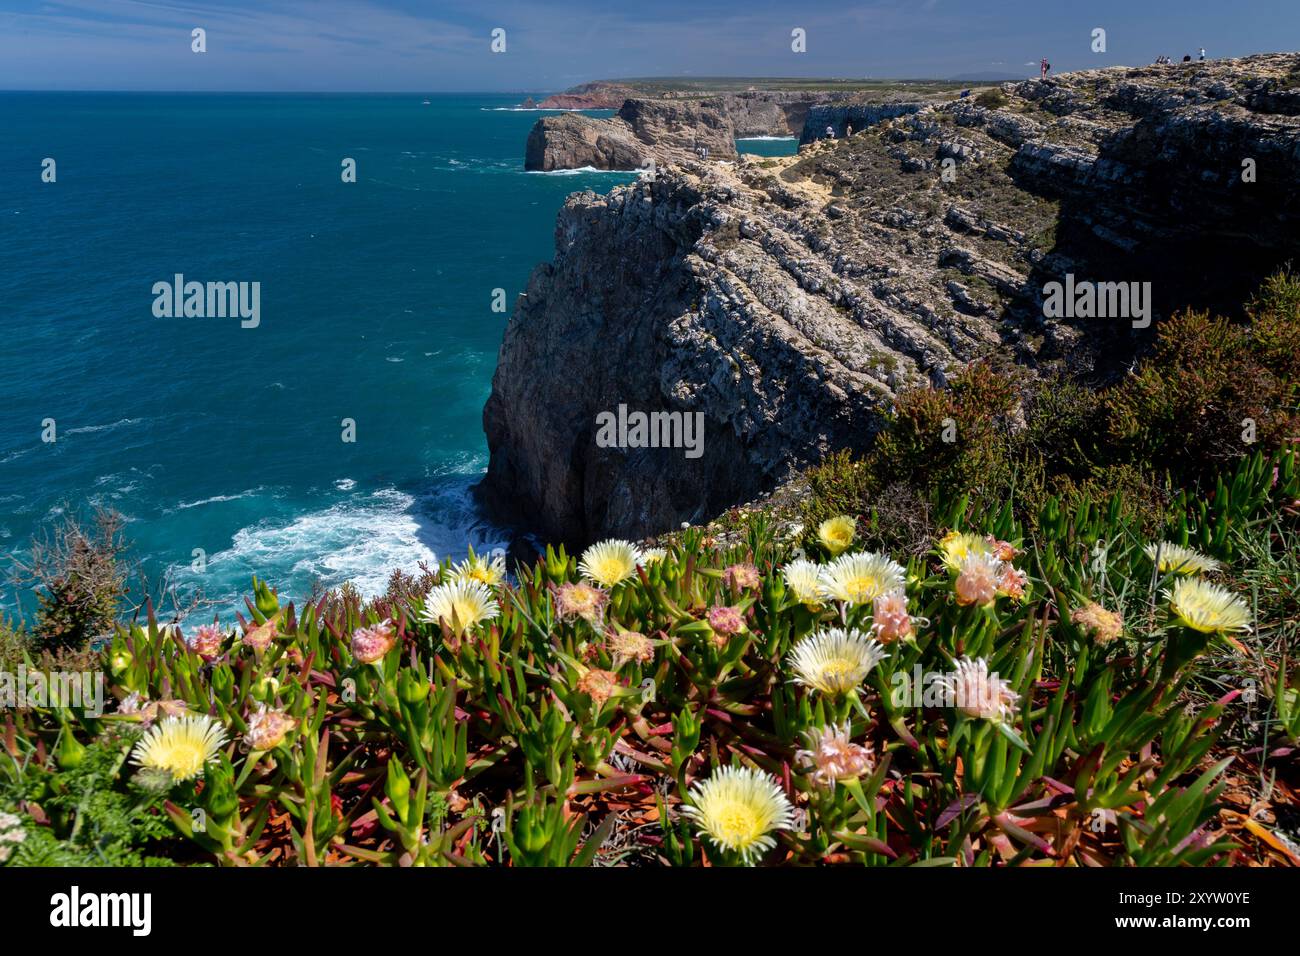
{"points": [[786, 300], [663, 130], [768, 113]]}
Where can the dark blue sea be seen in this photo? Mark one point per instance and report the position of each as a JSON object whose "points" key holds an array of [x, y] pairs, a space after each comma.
{"points": [[223, 445]]}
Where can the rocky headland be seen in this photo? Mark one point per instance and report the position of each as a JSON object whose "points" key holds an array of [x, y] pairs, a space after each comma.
{"points": [[665, 131], [786, 301]]}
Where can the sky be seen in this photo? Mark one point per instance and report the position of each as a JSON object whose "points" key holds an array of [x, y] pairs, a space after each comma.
{"points": [[445, 45]]}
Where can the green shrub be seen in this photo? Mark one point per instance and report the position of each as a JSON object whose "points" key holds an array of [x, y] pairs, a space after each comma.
{"points": [[992, 99], [79, 578]]}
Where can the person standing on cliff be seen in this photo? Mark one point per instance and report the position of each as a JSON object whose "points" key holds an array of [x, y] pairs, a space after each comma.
{"points": [[1044, 68], [1202, 54], [830, 132]]}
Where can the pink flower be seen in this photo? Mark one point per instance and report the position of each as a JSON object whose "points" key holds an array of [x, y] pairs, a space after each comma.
{"points": [[977, 583], [580, 600], [599, 685], [371, 644], [725, 622], [833, 757], [206, 641], [889, 614], [267, 728], [1002, 550], [1012, 582], [741, 577]]}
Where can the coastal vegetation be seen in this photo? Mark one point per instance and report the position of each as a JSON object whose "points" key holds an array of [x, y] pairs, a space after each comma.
{"points": [[1066, 638]]}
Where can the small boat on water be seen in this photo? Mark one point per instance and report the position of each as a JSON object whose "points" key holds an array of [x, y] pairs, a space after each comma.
{"points": [[425, 103]]}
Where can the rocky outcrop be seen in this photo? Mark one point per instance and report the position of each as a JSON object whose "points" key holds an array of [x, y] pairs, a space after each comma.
{"points": [[589, 96], [844, 116], [785, 301], [768, 113], [663, 130]]}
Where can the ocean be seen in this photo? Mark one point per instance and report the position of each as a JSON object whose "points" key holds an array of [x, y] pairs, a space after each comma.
{"points": [[224, 446]]}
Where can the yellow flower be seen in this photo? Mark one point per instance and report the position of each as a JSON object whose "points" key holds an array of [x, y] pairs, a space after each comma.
{"points": [[476, 567], [609, 563], [834, 662], [1207, 607], [1176, 559], [957, 547], [860, 578], [462, 604], [180, 746], [836, 534], [738, 808]]}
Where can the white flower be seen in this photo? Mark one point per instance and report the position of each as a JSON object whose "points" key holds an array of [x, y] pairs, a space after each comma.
{"points": [[861, 577], [834, 662]]}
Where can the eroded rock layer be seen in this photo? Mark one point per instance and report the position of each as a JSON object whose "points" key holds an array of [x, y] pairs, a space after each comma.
{"points": [[786, 300]]}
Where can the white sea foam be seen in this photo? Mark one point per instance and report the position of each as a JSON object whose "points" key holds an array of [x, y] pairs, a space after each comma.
{"points": [[88, 429], [577, 170], [216, 499], [775, 139], [361, 539]]}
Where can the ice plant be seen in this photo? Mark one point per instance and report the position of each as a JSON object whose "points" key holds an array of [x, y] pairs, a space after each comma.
{"points": [[726, 621], [976, 693], [1101, 625], [610, 563], [487, 571], [1002, 550], [889, 618], [11, 834], [181, 746], [267, 728], [832, 756], [742, 577], [803, 579], [580, 600], [861, 577], [599, 685], [205, 641], [1208, 608], [1012, 582], [834, 662], [652, 556], [1176, 559], [371, 644], [836, 534], [977, 579], [630, 646], [957, 547], [461, 604], [738, 809]]}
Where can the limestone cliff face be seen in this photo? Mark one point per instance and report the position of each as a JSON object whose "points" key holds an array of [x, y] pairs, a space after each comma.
{"points": [[788, 300], [842, 116], [663, 130], [768, 112]]}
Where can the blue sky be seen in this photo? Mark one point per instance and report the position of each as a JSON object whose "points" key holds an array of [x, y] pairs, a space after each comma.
{"points": [[363, 45]]}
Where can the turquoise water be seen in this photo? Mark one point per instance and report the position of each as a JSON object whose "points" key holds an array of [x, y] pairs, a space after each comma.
{"points": [[375, 306], [769, 146]]}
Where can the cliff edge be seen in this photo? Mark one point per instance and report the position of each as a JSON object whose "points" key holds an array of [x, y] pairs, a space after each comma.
{"points": [[781, 303]]}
